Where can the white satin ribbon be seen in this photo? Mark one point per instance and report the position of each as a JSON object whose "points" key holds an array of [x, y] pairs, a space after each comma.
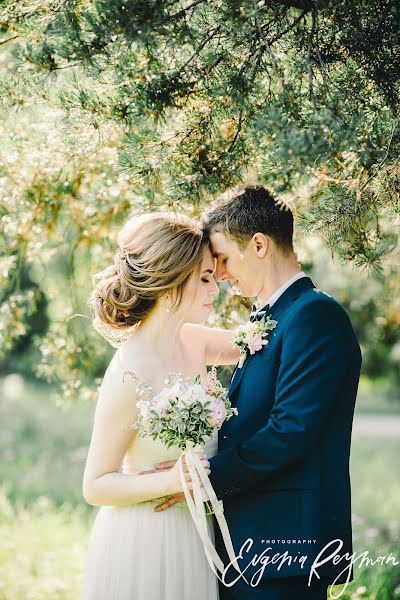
{"points": [[197, 511]]}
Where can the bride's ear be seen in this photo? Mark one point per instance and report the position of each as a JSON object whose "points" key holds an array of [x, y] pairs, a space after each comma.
{"points": [[167, 302], [261, 244]]}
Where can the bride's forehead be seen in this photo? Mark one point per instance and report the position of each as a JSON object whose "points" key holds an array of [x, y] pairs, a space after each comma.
{"points": [[208, 262]]}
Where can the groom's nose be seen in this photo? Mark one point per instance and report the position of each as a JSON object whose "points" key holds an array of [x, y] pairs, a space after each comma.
{"points": [[220, 272]]}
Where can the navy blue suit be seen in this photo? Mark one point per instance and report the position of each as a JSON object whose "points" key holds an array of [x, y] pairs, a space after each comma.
{"points": [[282, 468]]}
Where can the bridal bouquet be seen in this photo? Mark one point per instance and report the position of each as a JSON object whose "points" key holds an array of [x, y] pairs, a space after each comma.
{"points": [[185, 412]]}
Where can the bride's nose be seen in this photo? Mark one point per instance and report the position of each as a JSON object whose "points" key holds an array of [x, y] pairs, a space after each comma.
{"points": [[214, 289]]}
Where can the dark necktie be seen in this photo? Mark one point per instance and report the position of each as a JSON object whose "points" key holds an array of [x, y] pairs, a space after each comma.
{"points": [[257, 315]]}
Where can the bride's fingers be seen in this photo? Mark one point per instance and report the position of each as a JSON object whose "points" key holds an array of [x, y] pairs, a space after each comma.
{"points": [[188, 479], [167, 504], [190, 485], [168, 464], [204, 462], [146, 472], [201, 455]]}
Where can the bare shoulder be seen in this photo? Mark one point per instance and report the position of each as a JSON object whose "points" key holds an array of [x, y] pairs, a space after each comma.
{"points": [[191, 332], [118, 391]]}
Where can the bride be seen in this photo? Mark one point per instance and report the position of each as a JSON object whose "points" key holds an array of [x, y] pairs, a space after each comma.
{"points": [[149, 304]]}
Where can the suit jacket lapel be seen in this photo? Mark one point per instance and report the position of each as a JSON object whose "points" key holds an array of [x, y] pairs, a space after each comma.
{"points": [[298, 288], [237, 376]]}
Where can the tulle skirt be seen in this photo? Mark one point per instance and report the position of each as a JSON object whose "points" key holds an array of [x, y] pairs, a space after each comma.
{"points": [[135, 553]]}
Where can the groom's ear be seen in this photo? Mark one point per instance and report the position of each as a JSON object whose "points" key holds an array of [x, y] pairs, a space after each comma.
{"points": [[261, 244]]}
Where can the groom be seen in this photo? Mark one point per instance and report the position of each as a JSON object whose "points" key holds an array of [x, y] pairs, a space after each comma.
{"points": [[282, 468]]}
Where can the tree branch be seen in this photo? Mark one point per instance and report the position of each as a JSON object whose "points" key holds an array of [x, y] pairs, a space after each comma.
{"points": [[279, 35], [201, 46], [309, 66], [304, 4], [14, 37], [239, 127], [182, 12]]}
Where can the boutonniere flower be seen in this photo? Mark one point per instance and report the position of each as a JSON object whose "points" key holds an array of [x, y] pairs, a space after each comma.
{"points": [[251, 337]]}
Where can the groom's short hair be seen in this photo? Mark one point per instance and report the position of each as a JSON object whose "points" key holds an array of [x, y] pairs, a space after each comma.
{"points": [[243, 211]]}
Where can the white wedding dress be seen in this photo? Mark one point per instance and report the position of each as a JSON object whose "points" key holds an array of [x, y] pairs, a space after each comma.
{"points": [[135, 553]]}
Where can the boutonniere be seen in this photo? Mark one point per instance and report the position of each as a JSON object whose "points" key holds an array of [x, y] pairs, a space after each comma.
{"points": [[251, 337]]}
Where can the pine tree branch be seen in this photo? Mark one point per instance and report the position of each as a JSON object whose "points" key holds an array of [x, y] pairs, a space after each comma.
{"points": [[14, 37], [69, 66], [378, 168], [289, 28], [321, 62], [183, 12], [239, 127], [309, 66], [303, 4], [261, 32], [202, 45]]}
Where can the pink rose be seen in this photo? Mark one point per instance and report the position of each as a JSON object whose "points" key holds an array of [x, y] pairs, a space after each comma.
{"points": [[218, 415], [161, 402], [161, 405], [256, 343]]}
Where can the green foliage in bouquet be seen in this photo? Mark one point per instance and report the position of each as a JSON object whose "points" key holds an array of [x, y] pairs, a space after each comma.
{"points": [[184, 411]]}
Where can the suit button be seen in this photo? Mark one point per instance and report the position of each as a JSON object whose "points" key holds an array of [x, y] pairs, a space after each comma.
{"points": [[224, 437]]}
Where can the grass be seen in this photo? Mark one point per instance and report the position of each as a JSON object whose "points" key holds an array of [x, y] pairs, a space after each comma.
{"points": [[43, 446], [45, 523], [376, 517], [42, 550]]}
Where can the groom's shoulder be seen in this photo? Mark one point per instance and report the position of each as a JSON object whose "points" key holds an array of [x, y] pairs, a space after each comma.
{"points": [[316, 296], [316, 313], [316, 302]]}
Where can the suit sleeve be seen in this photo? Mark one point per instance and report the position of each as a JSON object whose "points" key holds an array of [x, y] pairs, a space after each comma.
{"points": [[318, 348]]}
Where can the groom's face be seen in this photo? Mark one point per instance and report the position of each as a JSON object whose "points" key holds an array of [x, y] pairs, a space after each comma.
{"points": [[238, 266]]}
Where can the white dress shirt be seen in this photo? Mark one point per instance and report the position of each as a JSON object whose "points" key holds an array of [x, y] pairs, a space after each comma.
{"points": [[283, 287]]}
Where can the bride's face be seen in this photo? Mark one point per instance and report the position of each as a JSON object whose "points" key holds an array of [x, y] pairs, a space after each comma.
{"points": [[200, 291]]}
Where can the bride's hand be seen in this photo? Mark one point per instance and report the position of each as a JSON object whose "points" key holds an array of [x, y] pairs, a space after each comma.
{"points": [[180, 497], [173, 467], [149, 471], [168, 464]]}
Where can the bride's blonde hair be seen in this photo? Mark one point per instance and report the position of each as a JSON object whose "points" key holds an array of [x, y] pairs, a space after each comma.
{"points": [[156, 252]]}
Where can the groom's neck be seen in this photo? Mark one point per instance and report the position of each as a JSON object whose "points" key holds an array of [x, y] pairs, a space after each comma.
{"points": [[278, 271]]}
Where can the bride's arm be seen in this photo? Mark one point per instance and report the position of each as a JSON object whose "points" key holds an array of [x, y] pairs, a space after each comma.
{"points": [[217, 343], [112, 435]]}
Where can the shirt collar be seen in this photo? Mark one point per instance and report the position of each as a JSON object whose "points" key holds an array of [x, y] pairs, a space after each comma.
{"points": [[272, 299]]}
